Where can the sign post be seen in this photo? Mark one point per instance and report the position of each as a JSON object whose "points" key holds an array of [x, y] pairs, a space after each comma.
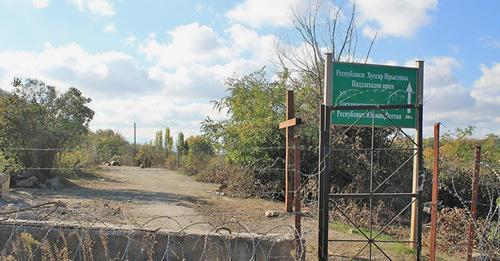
{"points": [[358, 85], [323, 163], [368, 95], [416, 219]]}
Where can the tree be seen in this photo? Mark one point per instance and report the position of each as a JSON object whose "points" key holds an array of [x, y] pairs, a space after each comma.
{"points": [[323, 26], [159, 140], [108, 144], [181, 144], [199, 154], [250, 137], [34, 116], [169, 141], [200, 147]]}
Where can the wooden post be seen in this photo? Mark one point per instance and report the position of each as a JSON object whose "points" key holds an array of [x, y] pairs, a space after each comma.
{"points": [[290, 113], [473, 204], [297, 189], [435, 191], [288, 125]]}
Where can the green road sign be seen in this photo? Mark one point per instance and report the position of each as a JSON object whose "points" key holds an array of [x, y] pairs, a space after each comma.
{"points": [[366, 84]]}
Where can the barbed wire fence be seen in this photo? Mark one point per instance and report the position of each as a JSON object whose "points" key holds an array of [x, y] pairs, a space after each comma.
{"points": [[58, 213], [485, 243], [170, 239], [453, 222]]}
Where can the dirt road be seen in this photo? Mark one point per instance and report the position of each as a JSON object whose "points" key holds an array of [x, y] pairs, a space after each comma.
{"points": [[164, 199], [127, 195]]}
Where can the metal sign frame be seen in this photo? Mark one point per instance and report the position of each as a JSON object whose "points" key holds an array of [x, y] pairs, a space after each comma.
{"points": [[370, 84], [325, 152]]}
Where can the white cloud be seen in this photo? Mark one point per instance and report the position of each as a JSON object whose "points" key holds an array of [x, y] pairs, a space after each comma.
{"points": [[257, 13], [262, 46], [196, 60], [448, 101], [491, 42], [80, 4], [40, 3], [131, 39], [99, 7], [110, 28], [98, 75], [185, 73], [102, 7], [189, 44], [443, 91], [487, 88], [151, 113], [397, 18]]}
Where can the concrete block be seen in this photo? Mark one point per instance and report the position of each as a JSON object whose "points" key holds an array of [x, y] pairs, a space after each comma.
{"points": [[5, 183], [107, 242]]}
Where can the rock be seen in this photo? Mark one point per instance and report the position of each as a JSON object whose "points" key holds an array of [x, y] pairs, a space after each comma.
{"points": [[222, 194], [115, 163], [30, 182], [222, 187], [272, 213], [54, 182]]}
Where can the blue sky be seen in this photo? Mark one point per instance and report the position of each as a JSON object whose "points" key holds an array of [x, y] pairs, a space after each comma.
{"points": [[159, 63]]}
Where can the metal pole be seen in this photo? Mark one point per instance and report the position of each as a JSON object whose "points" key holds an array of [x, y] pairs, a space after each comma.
{"points": [[473, 206], [416, 219], [296, 182], [324, 166], [435, 191], [135, 140], [323, 214]]}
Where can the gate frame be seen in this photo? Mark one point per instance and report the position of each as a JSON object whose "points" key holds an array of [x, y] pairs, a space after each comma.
{"points": [[324, 167]]}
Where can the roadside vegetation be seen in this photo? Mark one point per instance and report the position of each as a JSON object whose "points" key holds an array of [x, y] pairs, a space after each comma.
{"points": [[244, 153]]}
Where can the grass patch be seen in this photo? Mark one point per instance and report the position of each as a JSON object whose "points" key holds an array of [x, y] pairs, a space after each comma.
{"points": [[397, 248]]}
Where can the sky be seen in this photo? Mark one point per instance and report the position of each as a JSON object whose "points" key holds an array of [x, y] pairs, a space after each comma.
{"points": [[160, 63]]}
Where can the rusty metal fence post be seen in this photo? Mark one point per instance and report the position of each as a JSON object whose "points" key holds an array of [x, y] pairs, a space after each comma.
{"points": [[435, 191], [473, 204], [296, 181]]}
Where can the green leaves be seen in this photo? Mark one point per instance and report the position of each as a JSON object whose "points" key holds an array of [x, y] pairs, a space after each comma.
{"points": [[34, 116]]}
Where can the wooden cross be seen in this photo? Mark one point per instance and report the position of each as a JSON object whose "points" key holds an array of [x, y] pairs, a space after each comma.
{"points": [[288, 125]]}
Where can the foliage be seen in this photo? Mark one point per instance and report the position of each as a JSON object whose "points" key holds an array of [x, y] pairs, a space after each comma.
{"points": [[8, 162], [158, 154], [181, 144], [169, 142], [95, 148], [146, 155], [239, 180], [200, 150], [249, 137], [106, 144], [457, 164], [35, 116]]}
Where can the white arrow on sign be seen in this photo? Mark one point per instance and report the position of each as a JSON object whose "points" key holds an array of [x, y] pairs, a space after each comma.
{"points": [[409, 91]]}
